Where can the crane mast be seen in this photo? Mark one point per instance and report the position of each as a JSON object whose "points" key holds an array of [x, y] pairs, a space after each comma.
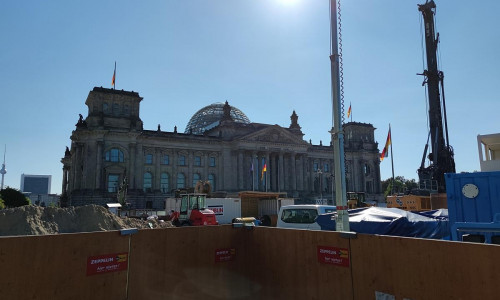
{"points": [[441, 156]]}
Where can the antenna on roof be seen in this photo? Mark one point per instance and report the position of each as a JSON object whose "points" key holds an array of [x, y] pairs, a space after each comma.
{"points": [[3, 171]]}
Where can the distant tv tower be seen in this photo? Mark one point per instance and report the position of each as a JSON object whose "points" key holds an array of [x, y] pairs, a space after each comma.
{"points": [[3, 171]]}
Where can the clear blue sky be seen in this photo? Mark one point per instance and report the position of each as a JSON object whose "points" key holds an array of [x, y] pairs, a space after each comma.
{"points": [[266, 57]]}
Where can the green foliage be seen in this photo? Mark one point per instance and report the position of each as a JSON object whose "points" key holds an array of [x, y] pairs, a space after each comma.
{"points": [[401, 185], [2, 204], [13, 197]]}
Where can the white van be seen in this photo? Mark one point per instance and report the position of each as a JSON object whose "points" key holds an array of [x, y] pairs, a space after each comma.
{"points": [[302, 216]]}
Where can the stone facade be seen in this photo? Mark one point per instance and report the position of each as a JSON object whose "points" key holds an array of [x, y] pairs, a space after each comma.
{"points": [[110, 147]]}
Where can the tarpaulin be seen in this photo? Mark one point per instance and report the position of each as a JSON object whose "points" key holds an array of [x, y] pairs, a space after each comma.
{"points": [[393, 221]]}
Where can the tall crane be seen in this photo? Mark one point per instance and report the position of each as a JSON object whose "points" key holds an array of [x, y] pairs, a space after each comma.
{"points": [[441, 157]]}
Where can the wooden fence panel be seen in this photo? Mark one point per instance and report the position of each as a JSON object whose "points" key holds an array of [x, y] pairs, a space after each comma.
{"points": [[409, 268], [55, 266], [180, 263], [285, 263]]}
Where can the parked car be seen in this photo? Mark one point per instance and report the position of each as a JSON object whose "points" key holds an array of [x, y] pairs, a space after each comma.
{"points": [[302, 216]]}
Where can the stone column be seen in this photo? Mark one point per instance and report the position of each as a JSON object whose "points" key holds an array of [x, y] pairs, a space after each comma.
{"points": [[174, 169], [98, 169], [312, 173], [65, 181], [131, 170], [293, 170], [205, 163], [189, 175], [78, 167], [156, 175], [281, 172], [139, 164], [300, 173], [240, 171]]}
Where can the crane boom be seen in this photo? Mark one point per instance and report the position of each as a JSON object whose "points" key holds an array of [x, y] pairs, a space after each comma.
{"points": [[441, 156]]}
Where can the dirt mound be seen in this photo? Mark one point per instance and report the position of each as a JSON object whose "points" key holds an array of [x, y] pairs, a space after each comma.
{"points": [[36, 220]]}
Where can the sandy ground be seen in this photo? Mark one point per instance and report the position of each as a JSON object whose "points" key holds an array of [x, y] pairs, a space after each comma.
{"points": [[35, 220]]}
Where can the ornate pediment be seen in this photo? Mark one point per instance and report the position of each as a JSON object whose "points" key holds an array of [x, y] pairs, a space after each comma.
{"points": [[273, 134]]}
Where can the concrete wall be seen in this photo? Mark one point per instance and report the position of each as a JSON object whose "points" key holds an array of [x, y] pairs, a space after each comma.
{"points": [[263, 263]]}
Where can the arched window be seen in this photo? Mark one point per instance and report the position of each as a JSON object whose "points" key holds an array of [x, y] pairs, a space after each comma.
{"points": [[211, 179], [196, 178], [148, 182], [114, 155], [181, 181], [164, 186]]}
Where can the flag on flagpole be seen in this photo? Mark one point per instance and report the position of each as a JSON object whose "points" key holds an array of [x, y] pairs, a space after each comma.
{"points": [[349, 111], [385, 152], [264, 169], [114, 77]]}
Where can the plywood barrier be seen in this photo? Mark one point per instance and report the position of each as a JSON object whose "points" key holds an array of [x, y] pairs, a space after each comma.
{"points": [[221, 262], [268, 263], [410, 268], [55, 266], [286, 265], [189, 263]]}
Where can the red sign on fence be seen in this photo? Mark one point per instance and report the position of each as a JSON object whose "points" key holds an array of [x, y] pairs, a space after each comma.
{"points": [[226, 254], [107, 263], [333, 256]]}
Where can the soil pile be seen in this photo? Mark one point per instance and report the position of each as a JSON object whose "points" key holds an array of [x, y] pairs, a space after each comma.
{"points": [[36, 220]]}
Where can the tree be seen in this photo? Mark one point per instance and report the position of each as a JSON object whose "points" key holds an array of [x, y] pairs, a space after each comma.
{"points": [[13, 197], [2, 204]]}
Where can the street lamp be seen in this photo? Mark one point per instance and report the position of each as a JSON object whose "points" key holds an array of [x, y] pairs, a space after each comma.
{"points": [[320, 172]]}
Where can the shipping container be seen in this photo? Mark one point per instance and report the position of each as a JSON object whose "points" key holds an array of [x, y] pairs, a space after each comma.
{"points": [[473, 202]]}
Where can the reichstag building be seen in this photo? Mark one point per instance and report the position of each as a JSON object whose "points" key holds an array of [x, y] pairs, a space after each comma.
{"points": [[220, 145]]}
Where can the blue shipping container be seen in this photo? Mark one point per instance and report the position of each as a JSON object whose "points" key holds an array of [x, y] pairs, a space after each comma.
{"points": [[473, 197]]}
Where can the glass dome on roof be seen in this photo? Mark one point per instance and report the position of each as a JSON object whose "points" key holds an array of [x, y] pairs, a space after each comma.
{"points": [[210, 116]]}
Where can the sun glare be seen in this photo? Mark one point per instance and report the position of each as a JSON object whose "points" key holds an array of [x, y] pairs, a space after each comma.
{"points": [[288, 2]]}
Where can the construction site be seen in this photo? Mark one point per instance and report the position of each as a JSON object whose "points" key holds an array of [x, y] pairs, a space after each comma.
{"points": [[220, 248]]}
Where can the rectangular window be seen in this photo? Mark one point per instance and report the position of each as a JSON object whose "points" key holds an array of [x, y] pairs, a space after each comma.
{"points": [[149, 159], [182, 160], [165, 160], [113, 183], [197, 161], [327, 168], [212, 161], [315, 166]]}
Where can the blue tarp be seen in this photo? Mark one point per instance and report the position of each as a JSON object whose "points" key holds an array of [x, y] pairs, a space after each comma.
{"points": [[393, 221]]}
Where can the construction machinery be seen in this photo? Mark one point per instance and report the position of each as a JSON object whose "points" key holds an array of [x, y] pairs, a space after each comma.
{"points": [[356, 200], [432, 185], [193, 212], [441, 156]]}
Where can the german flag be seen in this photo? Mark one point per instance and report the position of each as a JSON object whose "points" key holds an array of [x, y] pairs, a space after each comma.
{"points": [[385, 152], [264, 169], [114, 77]]}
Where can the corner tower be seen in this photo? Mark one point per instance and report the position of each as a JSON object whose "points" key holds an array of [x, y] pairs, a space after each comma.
{"points": [[112, 109]]}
